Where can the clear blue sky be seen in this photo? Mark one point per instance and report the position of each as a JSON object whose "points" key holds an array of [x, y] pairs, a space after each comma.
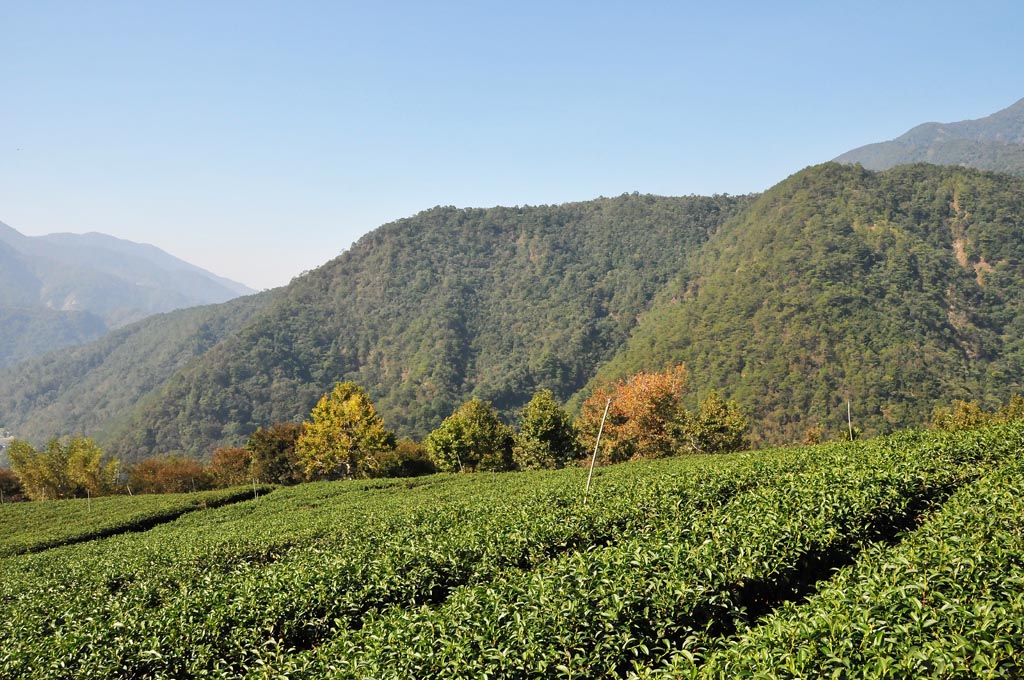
{"points": [[260, 139]]}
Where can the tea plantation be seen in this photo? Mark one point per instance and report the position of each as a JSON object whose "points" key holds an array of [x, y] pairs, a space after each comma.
{"points": [[895, 557]]}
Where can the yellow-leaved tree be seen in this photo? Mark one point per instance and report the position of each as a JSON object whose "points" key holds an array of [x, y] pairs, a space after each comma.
{"points": [[63, 469], [344, 437]]}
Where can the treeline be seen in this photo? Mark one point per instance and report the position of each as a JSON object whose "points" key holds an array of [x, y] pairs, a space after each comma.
{"points": [[344, 437]]}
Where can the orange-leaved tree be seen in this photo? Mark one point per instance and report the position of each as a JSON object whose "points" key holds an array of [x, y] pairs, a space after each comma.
{"points": [[641, 415]]}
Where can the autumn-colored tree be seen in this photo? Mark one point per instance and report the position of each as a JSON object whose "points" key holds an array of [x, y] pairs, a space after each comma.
{"points": [[547, 438], [641, 415], [815, 434], [717, 426], [1012, 410], [230, 467], [272, 451], [962, 415], [343, 435], [63, 470], [471, 439], [169, 475]]}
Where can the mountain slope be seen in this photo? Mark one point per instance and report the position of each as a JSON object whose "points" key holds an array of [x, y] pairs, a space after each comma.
{"points": [[426, 311], [88, 389], [27, 332], [995, 142], [897, 291]]}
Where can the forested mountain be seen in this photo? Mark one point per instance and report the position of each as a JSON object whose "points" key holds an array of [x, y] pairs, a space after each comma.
{"points": [[423, 312], [65, 289], [897, 291], [27, 332], [995, 142], [90, 389]]}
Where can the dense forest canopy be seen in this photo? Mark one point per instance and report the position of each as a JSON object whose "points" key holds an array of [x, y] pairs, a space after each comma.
{"points": [[896, 291], [425, 313]]}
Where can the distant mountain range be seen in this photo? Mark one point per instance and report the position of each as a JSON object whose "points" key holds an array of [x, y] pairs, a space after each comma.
{"points": [[65, 289], [896, 291], [995, 142]]}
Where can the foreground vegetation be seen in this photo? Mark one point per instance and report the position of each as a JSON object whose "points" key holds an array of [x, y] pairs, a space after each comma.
{"points": [[693, 565], [33, 527]]}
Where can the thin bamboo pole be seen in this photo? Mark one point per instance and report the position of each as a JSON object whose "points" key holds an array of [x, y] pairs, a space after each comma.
{"points": [[849, 419], [593, 459]]}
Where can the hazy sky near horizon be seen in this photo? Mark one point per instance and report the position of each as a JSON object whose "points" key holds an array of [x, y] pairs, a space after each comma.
{"points": [[260, 139]]}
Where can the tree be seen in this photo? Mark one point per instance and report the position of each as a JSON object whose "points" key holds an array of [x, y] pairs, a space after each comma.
{"points": [[408, 459], [547, 438], [718, 426], [169, 475], [230, 467], [965, 415], [962, 415], [87, 470], [63, 470], [272, 452], [641, 415], [1013, 410], [472, 438], [343, 435]]}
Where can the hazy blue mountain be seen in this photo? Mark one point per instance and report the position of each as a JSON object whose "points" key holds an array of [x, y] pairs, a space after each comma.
{"points": [[65, 289], [995, 142]]}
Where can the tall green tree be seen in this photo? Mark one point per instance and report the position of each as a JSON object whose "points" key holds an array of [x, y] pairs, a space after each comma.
{"points": [[719, 425], [343, 435], [472, 439], [547, 438], [272, 452]]}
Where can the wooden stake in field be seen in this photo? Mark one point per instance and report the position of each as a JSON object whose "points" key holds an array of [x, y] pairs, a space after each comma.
{"points": [[593, 459]]}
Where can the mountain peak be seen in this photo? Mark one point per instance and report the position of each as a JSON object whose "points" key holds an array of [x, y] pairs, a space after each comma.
{"points": [[995, 142], [77, 286]]}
